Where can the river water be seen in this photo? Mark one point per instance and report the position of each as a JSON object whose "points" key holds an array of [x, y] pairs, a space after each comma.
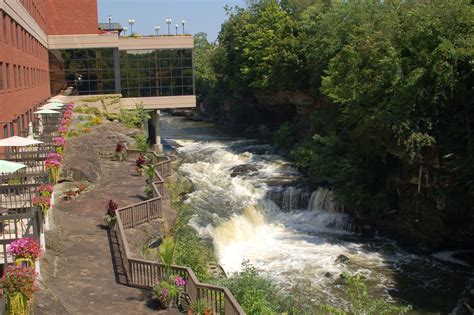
{"points": [[293, 234]]}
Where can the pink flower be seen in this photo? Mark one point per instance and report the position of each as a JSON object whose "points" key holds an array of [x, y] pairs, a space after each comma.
{"points": [[180, 282], [52, 164], [59, 141], [26, 247], [54, 156]]}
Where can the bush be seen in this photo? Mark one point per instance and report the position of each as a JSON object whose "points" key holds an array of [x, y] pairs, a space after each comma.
{"points": [[141, 142], [257, 294], [361, 302], [134, 118], [285, 135], [193, 252]]}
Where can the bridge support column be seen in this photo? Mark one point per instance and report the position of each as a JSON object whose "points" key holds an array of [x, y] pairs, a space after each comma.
{"points": [[155, 133]]}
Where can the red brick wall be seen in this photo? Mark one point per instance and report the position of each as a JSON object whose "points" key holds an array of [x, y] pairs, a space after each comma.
{"points": [[72, 17], [37, 10], [32, 78]]}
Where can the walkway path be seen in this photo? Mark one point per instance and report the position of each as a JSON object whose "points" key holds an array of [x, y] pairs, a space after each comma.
{"points": [[77, 270]]}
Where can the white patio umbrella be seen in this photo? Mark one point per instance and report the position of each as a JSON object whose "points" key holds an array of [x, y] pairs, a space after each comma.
{"points": [[10, 167], [56, 104], [51, 106], [47, 111], [16, 141]]}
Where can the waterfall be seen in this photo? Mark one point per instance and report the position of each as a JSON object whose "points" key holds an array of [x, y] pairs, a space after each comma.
{"points": [[289, 199], [322, 200], [330, 215]]}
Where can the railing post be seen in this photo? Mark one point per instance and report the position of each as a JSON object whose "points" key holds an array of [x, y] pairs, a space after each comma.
{"points": [[133, 216], [148, 219]]}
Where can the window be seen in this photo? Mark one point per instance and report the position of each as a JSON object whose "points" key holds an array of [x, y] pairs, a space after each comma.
{"points": [[4, 26], [1, 76], [12, 129], [7, 72], [88, 71], [15, 78], [5, 131], [156, 72], [17, 34]]}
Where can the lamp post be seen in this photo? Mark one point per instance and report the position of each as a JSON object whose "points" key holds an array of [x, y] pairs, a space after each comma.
{"points": [[131, 22], [125, 30], [110, 22], [183, 22], [168, 21], [176, 29], [157, 30]]}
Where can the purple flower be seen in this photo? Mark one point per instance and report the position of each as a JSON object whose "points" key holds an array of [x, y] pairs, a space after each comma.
{"points": [[180, 282], [164, 292]]}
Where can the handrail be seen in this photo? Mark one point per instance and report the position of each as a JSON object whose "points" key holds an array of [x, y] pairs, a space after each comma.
{"points": [[143, 273]]}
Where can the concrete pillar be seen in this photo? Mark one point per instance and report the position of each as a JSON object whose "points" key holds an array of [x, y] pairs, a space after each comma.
{"points": [[155, 117]]}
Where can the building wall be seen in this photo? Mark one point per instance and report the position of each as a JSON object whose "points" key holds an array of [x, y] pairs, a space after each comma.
{"points": [[66, 17], [24, 77]]}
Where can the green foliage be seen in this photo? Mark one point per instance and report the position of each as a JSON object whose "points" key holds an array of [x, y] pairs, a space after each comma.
{"points": [[285, 135], [258, 47], [134, 118], [362, 303], [193, 252], [199, 307], [259, 295], [149, 191], [141, 142], [166, 253], [88, 110]]}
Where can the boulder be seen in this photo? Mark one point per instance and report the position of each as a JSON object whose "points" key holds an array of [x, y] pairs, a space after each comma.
{"points": [[244, 169], [342, 259]]}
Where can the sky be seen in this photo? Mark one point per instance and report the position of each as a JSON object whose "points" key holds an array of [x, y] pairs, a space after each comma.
{"points": [[200, 15]]}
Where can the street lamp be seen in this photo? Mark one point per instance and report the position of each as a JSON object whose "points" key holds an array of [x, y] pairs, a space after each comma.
{"points": [[168, 21], [177, 29], [110, 22], [125, 30], [157, 30], [183, 22], [131, 22]]}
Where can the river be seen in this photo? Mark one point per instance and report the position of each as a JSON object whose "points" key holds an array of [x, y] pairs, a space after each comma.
{"points": [[298, 237]]}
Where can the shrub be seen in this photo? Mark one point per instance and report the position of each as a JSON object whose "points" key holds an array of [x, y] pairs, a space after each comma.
{"points": [[285, 135], [141, 142], [193, 252], [134, 118], [361, 302]]}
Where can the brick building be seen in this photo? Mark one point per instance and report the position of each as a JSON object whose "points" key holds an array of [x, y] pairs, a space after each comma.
{"points": [[49, 46]]}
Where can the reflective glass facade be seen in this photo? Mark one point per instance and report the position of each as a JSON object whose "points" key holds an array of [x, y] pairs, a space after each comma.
{"points": [[156, 72], [88, 71], [134, 73]]}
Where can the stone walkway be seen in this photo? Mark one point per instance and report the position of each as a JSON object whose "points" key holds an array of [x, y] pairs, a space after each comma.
{"points": [[78, 273]]}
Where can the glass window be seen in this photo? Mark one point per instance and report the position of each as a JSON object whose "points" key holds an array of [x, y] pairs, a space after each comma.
{"points": [[4, 26], [164, 72], [7, 72], [87, 71], [1, 76]]}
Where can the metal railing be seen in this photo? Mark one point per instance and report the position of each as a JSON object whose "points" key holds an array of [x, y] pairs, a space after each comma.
{"points": [[145, 274]]}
